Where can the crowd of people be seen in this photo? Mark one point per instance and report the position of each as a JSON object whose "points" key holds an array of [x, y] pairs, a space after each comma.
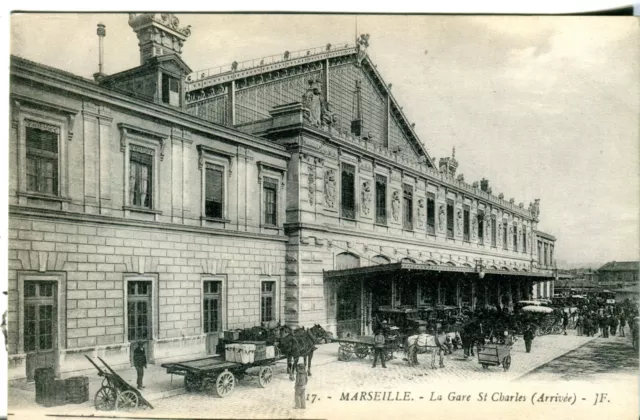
{"points": [[605, 320]]}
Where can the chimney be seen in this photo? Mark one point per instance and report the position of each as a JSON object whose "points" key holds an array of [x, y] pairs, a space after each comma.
{"points": [[158, 34], [484, 185], [102, 32]]}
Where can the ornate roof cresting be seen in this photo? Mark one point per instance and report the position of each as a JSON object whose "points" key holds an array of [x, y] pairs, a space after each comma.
{"points": [[168, 20]]}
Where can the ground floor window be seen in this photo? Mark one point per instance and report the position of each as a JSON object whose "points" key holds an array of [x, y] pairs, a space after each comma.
{"points": [[139, 310], [211, 306], [268, 301], [39, 315]]}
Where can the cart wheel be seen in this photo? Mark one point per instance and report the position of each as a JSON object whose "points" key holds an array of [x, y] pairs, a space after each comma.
{"points": [[192, 383], [265, 376], [506, 363], [224, 384], [361, 351], [344, 354], [485, 366], [105, 399], [127, 401]]}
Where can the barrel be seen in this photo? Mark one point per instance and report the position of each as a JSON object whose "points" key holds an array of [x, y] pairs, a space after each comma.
{"points": [[44, 378]]}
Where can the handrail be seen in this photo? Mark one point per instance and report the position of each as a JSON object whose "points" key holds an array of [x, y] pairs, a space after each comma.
{"points": [[264, 61]]}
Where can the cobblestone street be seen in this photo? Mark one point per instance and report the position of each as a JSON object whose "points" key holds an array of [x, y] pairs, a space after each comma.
{"points": [[330, 380]]}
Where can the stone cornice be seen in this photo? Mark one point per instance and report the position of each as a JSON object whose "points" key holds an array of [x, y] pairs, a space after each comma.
{"points": [[47, 214], [331, 230], [88, 89]]}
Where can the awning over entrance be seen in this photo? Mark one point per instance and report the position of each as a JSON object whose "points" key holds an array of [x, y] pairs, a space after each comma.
{"points": [[406, 267]]}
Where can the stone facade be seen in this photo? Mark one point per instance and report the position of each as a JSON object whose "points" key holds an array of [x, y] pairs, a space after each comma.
{"points": [[165, 188]]}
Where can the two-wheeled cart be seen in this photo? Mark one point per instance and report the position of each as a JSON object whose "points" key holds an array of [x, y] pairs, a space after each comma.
{"points": [[495, 355], [115, 392], [217, 376]]}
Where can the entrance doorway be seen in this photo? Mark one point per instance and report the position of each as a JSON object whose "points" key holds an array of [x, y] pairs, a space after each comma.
{"points": [[211, 314], [40, 325], [348, 315]]}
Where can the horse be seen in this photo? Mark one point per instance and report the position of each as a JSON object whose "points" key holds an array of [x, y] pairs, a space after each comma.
{"points": [[299, 343], [425, 343]]}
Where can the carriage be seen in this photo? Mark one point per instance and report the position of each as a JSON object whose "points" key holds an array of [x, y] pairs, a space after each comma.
{"points": [[362, 346], [115, 392], [546, 320]]}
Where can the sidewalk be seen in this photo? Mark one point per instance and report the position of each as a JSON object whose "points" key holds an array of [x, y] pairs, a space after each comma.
{"points": [[158, 384]]}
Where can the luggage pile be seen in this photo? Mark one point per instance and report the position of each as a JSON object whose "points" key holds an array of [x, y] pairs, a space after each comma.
{"points": [[248, 352], [52, 392]]}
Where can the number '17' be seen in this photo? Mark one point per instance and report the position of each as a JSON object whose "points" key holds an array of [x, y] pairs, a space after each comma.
{"points": [[312, 397]]}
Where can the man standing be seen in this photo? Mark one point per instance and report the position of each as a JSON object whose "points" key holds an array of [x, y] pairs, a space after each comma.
{"points": [[301, 383], [623, 322], [528, 337], [140, 362], [378, 349], [565, 322], [613, 321]]}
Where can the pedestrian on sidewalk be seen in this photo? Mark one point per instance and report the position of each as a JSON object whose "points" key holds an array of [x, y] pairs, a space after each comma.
{"points": [[623, 322], [580, 325], [565, 322], [604, 326], [300, 387], [378, 349], [528, 335], [613, 322], [140, 362]]}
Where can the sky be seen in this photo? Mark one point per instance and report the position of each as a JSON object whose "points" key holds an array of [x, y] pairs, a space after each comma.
{"points": [[543, 107]]}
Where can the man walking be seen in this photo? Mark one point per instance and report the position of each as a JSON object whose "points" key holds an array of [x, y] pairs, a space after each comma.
{"points": [[378, 349], [140, 362], [528, 337]]}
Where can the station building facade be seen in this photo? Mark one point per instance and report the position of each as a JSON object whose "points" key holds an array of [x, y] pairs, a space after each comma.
{"points": [[164, 205]]}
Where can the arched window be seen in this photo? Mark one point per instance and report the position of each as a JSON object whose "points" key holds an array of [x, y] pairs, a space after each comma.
{"points": [[408, 260], [347, 260], [380, 259]]}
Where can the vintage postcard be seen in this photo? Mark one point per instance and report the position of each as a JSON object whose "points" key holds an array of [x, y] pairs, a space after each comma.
{"points": [[323, 216]]}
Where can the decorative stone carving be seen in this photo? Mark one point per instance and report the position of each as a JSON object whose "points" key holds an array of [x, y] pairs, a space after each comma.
{"points": [[421, 212], [501, 196], [475, 185], [330, 187], [459, 224], [317, 111], [361, 48], [460, 178], [474, 227], [367, 197], [441, 218], [535, 209], [311, 180], [395, 205]]}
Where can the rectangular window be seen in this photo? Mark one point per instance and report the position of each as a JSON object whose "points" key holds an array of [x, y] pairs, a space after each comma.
{"points": [[524, 239], [505, 237], [140, 179], [431, 214], [270, 191], [39, 315], [515, 237], [408, 206], [42, 160], [481, 228], [211, 306], [139, 310], [494, 231], [450, 219], [550, 254], [381, 200], [268, 301], [540, 252], [170, 90], [214, 191], [348, 191], [466, 227]]}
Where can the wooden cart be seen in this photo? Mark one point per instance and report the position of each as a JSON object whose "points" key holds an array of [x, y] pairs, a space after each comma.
{"points": [[217, 376], [115, 392], [362, 346], [495, 355]]}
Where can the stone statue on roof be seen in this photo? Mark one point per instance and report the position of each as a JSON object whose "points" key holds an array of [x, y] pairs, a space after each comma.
{"points": [[317, 111]]}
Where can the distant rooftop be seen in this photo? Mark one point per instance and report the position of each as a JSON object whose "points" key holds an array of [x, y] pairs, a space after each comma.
{"points": [[621, 266]]}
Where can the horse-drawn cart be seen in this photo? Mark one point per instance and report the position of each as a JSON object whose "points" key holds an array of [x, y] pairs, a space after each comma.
{"points": [[115, 392], [362, 346], [217, 376], [495, 355]]}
